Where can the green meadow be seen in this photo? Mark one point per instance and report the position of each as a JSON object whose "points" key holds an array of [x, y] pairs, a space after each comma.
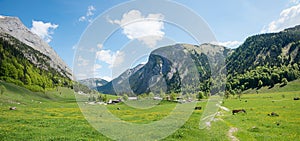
{"points": [[55, 115]]}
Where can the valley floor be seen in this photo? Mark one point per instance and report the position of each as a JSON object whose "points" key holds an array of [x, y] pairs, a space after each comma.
{"points": [[56, 116]]}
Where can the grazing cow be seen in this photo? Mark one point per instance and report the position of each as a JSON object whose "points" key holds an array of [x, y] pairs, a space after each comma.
{"points": [[296, 98], [238, 111], [13, 108], [198, 108], [118, 108], [273, 114]]}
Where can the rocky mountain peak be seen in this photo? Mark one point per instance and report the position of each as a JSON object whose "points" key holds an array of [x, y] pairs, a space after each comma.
{"points": [[14, 27]]}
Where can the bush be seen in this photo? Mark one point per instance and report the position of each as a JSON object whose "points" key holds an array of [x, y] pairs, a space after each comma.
{"points": [[35, 88], [125, 97], [200, 95], [284, 81], [2, 89]]}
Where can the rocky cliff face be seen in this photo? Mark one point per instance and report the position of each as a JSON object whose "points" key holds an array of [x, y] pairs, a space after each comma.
{"points": [[14, 27], [171, 68]]}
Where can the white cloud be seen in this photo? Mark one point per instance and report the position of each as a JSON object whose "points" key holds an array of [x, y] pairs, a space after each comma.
{"points": [[44, 30], [81, 76], [82, 18], [90, 11], [97, 66], [146, 29], [74, 47], [294, 1], [82, 61], [288, 18], [111, 58], [105, 56], [229, 44], [96, 70], [89, 14], [89, 73], [107, 78], [100, 46]]}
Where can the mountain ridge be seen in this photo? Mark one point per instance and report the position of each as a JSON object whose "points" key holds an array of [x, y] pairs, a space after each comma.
{"points": [[14, 27], [162, 66], [262, 60]]}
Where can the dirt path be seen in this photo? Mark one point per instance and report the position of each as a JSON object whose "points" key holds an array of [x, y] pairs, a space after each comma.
{"points": [[230, 134]]}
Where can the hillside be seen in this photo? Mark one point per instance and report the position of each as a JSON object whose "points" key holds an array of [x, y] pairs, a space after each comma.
{"points": [[14, 27], [271, 49], [265, 60], [31, 63]]}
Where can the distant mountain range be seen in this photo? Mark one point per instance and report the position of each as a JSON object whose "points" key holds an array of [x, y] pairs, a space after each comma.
{"points": [[93, 83], [262, 60]]}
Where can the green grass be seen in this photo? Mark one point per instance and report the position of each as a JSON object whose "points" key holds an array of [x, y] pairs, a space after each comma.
{"points": [[39, 116], [55, 115], [257, 125], [134, 115]]}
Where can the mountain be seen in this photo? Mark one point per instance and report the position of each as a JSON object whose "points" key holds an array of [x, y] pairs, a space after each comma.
{"points": [[262, 60], [108, 88], [265, 60], [271, 49], [26, 60], [93, 83], [14, 27], [165, 69]]}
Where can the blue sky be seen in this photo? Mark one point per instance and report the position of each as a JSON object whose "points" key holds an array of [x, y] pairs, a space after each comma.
{"points": [[62, 22]]}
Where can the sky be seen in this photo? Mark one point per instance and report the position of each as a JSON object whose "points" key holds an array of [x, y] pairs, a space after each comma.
{"points": [[64, 23]]}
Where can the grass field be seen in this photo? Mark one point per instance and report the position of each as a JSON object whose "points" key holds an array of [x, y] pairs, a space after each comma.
{"points": [[55, 116]]}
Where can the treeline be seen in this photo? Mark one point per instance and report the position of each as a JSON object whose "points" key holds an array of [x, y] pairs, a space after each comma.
{"points": [[262, 76], [17, 69]]}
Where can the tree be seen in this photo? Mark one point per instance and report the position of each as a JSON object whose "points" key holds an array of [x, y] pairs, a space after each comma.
{"points": [[151, 95], [227, 94], [99, 98], [242, 87], [200, 95], [105, 98], [284, 81], [173, 96], [275, 78], [93, 98], [2, 89], [125, 97], [162, 95], [260, 84]]}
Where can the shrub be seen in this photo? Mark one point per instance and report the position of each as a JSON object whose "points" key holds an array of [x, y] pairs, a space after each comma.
{"points": [[2, 89]]}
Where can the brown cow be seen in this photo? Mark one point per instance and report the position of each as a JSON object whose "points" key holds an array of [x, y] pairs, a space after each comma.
{"points": [[238, 111]]}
